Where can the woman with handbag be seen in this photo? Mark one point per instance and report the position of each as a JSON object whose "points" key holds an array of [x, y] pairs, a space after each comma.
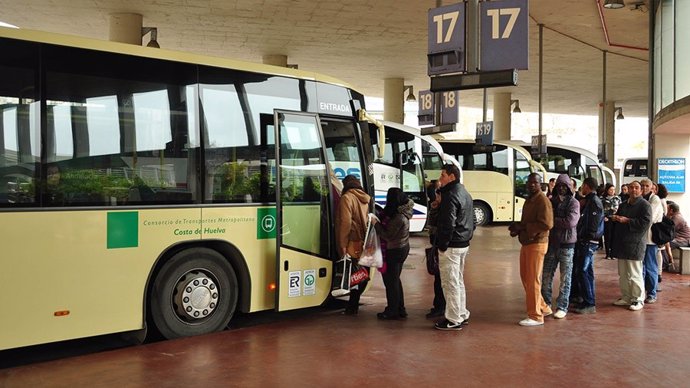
{"points": [[351, 219], [396, 234]]}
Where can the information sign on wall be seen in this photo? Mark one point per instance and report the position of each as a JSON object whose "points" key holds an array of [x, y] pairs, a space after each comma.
{"points": [[672, 174]]}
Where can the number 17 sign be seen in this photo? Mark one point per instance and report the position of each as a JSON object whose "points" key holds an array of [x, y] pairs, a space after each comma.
{"points": [[505, 35]]}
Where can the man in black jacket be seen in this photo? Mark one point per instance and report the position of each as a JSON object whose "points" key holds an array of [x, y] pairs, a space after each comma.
{"points": [[589, 229], [455, 226]]}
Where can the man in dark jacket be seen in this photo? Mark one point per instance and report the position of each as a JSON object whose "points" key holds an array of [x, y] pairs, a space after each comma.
{"points": [[454, 230], [588, 229], [633, 220], [566, 213]]}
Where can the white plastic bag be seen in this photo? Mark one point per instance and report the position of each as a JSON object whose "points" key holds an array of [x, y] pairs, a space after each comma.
{"points": [[341, 276], [372, 255]]}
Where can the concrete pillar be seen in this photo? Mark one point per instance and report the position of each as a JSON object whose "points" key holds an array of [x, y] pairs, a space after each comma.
{"points": [[502, 112], [609, 139], [126, 28], [393, 100], [275, 60]]}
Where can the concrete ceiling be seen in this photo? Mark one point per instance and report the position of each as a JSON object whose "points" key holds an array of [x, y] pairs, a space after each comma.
{"points": [[363, 41]]}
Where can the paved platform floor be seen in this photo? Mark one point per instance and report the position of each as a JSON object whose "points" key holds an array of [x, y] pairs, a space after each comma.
{"points": [[321, 347]]}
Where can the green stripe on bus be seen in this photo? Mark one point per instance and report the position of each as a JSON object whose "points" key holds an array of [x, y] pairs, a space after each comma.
{"points": [[123, 230]]}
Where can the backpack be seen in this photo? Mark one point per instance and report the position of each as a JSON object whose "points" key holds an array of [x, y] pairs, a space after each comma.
{"points": [[664, 231]]}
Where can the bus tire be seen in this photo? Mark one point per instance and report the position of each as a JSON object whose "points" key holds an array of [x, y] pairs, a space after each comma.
{"points": [[482, 214], [194, 293]]}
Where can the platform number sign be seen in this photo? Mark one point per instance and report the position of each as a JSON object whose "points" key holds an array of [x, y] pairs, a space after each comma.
{"points": [[505, 35], [449, 107], [426, 108], [485, 133], [446, 37]]}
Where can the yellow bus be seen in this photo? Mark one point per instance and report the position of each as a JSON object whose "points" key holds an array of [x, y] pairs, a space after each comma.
{"points": [[496, 179], [145, 188]]}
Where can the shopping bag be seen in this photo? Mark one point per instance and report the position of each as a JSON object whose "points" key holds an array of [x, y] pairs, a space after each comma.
{"points": [[359, 274], [342, 271], [372, 255], [431, 260]]}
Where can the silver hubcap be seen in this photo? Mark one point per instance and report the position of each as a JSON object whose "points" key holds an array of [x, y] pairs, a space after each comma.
{"points": [[478, 215], [196, 296]]}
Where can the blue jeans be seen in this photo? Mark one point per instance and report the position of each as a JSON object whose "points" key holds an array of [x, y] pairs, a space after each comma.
{"points": [[554, 257], [583, 272], [650, 271]]}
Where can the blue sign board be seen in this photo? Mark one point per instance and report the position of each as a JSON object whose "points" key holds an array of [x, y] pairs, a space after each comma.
{"points": [[505, 35], [672, 174]]}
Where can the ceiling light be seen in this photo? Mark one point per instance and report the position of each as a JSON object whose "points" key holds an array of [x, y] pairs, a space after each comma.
{"points": [[410, 96], [517, 106], [614, 4], [620, 113], [154, 36]]}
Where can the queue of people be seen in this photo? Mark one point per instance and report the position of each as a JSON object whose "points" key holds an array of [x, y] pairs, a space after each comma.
{"points": [[561, 228]]}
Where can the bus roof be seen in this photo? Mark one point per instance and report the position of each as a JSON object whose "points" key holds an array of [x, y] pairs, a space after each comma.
{"points": [[416, 132], [579, 150], [158, 53], [453, 137]]}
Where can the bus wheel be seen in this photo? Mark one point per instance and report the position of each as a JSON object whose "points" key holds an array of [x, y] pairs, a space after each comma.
{"points": [[482, 214], [194, 293]]}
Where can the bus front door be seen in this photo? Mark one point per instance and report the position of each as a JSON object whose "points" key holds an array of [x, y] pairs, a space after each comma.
{"points": [[303, 243]]}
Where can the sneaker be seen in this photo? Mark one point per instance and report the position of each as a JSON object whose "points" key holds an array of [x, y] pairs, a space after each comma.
{"points": [[560, 314], [547, 312], [465, 322], [586, 310], [621, 302], [448, 325], [530, 322], [636, 305], [650, 300]]}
